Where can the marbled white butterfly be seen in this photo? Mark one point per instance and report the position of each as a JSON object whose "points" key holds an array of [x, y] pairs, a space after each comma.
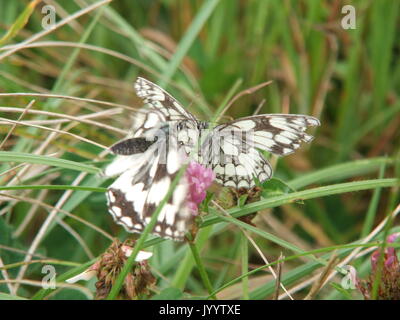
{"points": [[164, 134]]}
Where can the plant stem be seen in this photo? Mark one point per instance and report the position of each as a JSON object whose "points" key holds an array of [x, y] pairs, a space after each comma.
{"points": [[202, 270], [187, 264], [245, 265]]}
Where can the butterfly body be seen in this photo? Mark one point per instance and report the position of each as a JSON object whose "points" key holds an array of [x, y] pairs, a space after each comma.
{"points": [[165, 135]]}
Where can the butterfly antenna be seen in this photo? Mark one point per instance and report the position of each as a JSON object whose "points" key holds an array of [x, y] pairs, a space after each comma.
{"points": [[243, 93]]}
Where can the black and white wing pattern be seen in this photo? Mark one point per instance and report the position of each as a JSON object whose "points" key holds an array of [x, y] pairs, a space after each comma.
{"points": [[137, 192], [147, 161], [233, 155], [160, 107]]}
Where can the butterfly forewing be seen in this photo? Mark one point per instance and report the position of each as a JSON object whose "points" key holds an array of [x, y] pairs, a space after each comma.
{"points": [[161, 101], [235, 158], [280, 134]]}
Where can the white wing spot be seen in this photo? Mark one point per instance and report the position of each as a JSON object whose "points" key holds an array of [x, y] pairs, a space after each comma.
{"points": [[172, 162], [281, 139], [133, 192], [151, 121], [246, 124], [158, 190], [168, 232], [111, 196], [117, 211], [127, 221]]}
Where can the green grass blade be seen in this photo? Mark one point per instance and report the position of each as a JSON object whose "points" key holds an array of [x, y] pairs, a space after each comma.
{"points": [[8, 156], [305, 195], [55, 187], [339, 171], [19, 24], [191, 34], [371, 213]]}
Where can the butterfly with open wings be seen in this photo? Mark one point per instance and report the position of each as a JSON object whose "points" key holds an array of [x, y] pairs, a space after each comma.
{"points": [[164, 135]]}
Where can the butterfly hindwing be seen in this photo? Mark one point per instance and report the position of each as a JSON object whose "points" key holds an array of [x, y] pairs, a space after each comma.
{"points": [[135, 195], [234, 161], [240, 173], [147, 162]]}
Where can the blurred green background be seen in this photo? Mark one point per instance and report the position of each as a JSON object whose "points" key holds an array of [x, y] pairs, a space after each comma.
{"points": [[204, 53]]}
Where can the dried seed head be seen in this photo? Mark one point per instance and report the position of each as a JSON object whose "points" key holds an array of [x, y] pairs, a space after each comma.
{"points": [[109, 266], [138, 280]]}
